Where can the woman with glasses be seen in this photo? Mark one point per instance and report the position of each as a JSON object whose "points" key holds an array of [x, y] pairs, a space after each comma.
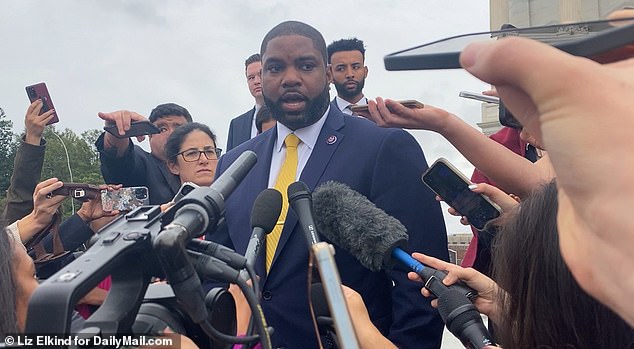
{"points": [[192, 154]]}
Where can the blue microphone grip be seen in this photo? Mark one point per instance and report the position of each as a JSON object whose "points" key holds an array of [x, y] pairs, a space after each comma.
{"points": [[427, 272]]}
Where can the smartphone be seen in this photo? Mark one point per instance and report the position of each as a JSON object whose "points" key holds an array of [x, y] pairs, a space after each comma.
{"points": [[79, 191], [124, 199], [39, 91], [507, 119], [185, 189], [453, 187], [409, 103], [479, 97], [604, 41], [137, 128]]}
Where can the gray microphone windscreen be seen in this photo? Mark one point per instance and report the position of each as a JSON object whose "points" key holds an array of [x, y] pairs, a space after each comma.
{"points": [[354, 223]]}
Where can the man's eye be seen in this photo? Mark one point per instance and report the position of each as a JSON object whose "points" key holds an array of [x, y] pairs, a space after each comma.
{"points": [[307, 66], [163, 129], [339, 69], [274, 68]]}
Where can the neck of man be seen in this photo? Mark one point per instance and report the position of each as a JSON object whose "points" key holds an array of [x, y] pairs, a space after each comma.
{"points": [[354, 99], [259, 101]]}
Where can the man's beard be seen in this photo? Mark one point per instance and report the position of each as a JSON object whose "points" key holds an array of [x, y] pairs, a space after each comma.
{"points": [[343, 92], [313, 111]]}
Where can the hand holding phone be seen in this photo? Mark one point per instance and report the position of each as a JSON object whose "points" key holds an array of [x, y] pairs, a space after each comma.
{"points": [[79, 191], [137, 128], [39, 91], [453, 187], [408, 103], [124, 199], [479, 97]]}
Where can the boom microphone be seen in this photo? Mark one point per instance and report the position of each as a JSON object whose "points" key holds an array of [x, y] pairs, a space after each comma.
{"points": [[376, 239]]}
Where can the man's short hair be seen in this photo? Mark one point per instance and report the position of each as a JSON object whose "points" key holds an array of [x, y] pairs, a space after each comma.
{"points": [[352, 44], [252, 59], [296, 28], [169, 109]]}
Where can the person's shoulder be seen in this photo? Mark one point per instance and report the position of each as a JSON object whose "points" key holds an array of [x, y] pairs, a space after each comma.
{"points": [[246, 115]]}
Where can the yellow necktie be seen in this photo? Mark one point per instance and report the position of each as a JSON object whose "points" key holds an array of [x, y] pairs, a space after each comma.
{"points": [[284, 179]]}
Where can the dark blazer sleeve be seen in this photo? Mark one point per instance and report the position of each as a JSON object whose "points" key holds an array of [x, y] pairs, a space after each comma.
{"points": [[231, 135], [73, 232], [27, 167], [129, 169], [240, 129], [398, 189]]}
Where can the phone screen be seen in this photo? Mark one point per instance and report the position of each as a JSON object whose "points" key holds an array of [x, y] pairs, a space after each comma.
{"points": [[453, 188]]}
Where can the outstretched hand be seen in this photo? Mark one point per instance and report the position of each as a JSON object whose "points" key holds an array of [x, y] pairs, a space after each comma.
{"points": [[487, 289]]}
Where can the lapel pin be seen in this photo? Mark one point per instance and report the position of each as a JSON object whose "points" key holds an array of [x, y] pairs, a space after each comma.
{"points": [[331, 139]]}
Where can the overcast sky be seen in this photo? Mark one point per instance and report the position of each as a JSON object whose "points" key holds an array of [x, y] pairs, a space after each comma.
{"points": [[110, 55]]}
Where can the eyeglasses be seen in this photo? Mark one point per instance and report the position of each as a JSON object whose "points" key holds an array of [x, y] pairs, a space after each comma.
{"points": [[191, 155]]}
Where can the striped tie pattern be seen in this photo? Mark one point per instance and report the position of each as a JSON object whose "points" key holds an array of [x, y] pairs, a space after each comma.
{"points": [[284, 179]]}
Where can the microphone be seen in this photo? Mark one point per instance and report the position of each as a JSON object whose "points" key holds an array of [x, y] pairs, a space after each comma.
{"points": [[351, 221], [212, 268], [264, 215], [377, 239], [300, 200], [219, 251], [203, 208]]}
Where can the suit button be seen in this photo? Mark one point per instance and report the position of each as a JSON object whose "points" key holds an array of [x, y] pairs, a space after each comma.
{"points": [[267, 295]]}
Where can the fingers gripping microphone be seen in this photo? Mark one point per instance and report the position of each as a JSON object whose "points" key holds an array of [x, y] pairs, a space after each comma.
{"points": [[377, 239], [264, 215]]}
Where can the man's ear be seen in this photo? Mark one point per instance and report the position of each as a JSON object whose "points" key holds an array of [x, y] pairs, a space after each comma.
{"points": [[173, 168], [365, 68], [329, 73]]}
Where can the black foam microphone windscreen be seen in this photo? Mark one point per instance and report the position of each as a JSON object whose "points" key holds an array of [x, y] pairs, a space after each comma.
{"points": [[266, 209]]}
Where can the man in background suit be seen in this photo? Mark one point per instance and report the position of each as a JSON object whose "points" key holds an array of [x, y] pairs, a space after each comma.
{"points": [[347, 67], [383, 164], [243, 128], [122, 162]]}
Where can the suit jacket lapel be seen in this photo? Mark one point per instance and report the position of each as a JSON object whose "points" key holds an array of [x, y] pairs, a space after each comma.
{"points": [[327, 143]]}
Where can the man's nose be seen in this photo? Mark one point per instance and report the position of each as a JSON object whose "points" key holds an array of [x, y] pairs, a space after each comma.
{"points": [[291, 77]]}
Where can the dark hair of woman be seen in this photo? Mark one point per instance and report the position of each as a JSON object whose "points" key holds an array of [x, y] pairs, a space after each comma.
{"points": [[8, 317], [176, 139], [544, 305]]}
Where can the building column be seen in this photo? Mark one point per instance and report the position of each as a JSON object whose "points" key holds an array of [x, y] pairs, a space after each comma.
{"points": [[569, 11]]}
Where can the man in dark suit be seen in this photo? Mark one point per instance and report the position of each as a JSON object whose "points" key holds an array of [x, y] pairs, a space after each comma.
{"points": [[347, 67], [125, 163], [243, 128], [383, 164]]}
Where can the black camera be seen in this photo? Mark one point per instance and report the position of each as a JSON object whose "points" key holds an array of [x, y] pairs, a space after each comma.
{"points": [[160, 310]]}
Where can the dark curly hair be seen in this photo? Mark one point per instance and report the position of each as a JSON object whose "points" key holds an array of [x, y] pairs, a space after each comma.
{"points": [[176, 139]]}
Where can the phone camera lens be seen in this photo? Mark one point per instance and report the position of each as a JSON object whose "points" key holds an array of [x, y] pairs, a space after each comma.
{"points": [[140, 193]]}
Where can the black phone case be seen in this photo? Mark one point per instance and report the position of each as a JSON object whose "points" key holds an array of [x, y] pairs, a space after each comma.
{"points": [[137, 128], [79, 191], [39, 91], [453, 188]]}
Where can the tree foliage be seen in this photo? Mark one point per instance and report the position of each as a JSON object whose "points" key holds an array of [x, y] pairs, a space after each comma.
{"points": [[64, 149]]}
